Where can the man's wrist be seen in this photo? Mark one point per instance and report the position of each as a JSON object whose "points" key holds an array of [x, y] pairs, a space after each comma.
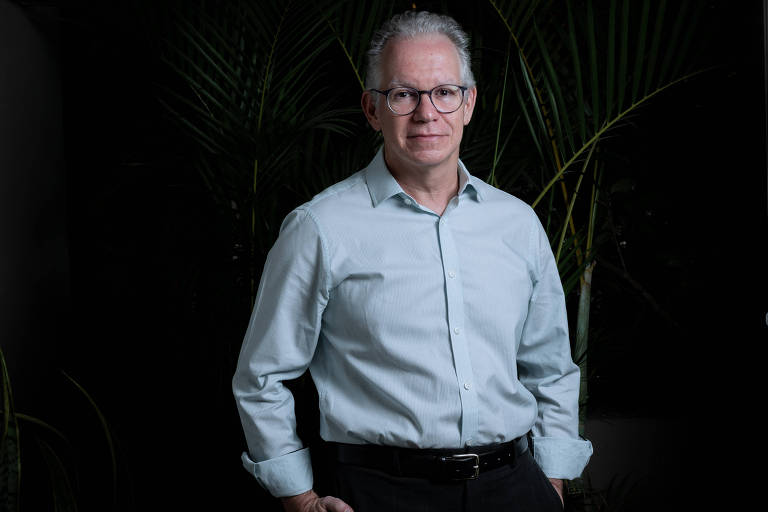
{"points": [[300, 501], [557, 483], [310, 502]]}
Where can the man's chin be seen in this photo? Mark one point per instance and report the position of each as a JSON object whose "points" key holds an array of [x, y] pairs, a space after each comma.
{"points": [[419, 158], [430, 158]]}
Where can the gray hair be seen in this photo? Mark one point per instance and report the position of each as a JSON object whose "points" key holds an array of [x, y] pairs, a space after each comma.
{"points": [[412, 24]]}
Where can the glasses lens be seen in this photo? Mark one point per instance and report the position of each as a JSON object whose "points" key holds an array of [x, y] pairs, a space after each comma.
{"points": [[403, 100], [447, 98]]}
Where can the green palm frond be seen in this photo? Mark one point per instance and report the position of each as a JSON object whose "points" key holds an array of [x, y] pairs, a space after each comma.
{"points": [[10, 456], [605, 86], [353, 24], [249, 89], [255, 94], [64, 499], [583, 68], [105, 428]]}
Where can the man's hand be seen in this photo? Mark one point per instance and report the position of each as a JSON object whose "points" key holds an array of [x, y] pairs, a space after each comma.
{"points": [[311, 502], [558, 485]]}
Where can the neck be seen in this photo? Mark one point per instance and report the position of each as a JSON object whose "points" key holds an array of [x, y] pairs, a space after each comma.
{"points": [[432, 187]]}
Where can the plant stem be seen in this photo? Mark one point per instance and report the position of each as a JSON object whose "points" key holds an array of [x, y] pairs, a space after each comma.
{"points": [[582, 339], [569, 217], [268, 70], [548, 122], [492, 177], [347, 54]]}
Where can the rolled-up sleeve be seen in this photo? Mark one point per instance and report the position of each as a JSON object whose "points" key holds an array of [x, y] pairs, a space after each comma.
{"points": [[285, 475], [279, 344], [546, 369]]}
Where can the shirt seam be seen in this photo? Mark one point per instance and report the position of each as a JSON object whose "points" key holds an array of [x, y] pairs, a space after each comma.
{"points": [[326, 253], [535, 252], [355, 180]]}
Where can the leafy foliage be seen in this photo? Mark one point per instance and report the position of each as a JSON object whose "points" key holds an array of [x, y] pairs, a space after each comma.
{"points": [[51, 442], [10, 457], [257, 99], [582, 73]]}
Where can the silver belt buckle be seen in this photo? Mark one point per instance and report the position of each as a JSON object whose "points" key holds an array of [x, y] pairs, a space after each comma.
{"points": [[467, 456]]}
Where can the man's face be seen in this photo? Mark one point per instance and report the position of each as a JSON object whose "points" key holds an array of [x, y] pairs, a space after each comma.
{"points": [[425, 138]]}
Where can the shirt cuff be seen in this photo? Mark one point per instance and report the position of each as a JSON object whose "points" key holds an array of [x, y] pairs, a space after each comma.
{"points": [[561, 458], [286, 475]]}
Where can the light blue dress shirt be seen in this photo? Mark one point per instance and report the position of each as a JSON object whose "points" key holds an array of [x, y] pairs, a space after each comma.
{"points": [[418, 330]]}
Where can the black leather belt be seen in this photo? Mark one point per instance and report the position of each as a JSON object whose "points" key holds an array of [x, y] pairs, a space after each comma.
{"points": [[433, 464]]}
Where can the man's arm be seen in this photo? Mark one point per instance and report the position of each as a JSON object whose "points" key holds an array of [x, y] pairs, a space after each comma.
{"points": [[546, 369], [279, 344]]}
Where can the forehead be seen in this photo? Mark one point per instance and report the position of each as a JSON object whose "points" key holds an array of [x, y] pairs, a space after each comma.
{"points": [[420, 61]]}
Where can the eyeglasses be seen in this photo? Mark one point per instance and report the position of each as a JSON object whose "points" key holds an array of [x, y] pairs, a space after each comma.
{"points": [[402, 101]]}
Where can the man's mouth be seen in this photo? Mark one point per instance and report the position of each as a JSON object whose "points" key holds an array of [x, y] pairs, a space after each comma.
{"points": [[425, 136]]}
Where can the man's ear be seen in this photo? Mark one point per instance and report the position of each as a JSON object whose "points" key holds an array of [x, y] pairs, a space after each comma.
{"points": [[368, 102], [469, 104]]}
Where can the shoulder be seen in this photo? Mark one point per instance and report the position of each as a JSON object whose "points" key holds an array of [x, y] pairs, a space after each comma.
{"points": [[334, 202], [506, 203], [513, 220], [349, 189]]}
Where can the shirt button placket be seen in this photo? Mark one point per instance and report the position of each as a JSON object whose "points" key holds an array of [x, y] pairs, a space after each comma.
{"points": [[455, 303]]}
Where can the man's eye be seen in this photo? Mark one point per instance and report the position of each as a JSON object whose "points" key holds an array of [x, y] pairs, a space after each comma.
{"points": [[444, 92], [402, 94]]}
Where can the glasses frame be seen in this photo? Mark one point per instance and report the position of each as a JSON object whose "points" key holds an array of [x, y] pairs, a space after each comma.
{"points": [[428, 93]]}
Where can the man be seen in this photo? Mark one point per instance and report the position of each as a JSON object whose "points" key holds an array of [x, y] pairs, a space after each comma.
{"points": [[426, 305]]}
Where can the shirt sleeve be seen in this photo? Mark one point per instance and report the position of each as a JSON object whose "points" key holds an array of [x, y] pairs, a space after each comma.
{"points": [[546, 369], [279, 344]]}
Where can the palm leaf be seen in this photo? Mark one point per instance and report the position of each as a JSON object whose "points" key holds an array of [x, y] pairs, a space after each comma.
{"points": [[63, 495], [585, 70], [105, 428], [353, 24], [10, 456]]}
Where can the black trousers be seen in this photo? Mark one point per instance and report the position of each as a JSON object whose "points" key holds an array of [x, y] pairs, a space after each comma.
{"points": [[518, 487]]}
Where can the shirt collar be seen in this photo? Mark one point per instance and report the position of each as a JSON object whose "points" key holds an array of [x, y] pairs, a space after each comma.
{"points": [[382, 185], [468, 183]]}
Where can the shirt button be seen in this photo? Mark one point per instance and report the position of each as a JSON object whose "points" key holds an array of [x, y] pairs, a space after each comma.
{"points": [[451, 274], [408, 201], [457, 330], [467, 386]]}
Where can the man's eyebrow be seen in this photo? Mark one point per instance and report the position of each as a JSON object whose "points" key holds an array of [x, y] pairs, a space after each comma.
{"points": [[396, 82]]}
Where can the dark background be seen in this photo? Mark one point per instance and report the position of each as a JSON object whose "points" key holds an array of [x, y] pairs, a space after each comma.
{"points": [[115, 267]]}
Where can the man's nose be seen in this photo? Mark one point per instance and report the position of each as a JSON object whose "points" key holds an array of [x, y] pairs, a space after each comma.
{"points": [[425, 110]]}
